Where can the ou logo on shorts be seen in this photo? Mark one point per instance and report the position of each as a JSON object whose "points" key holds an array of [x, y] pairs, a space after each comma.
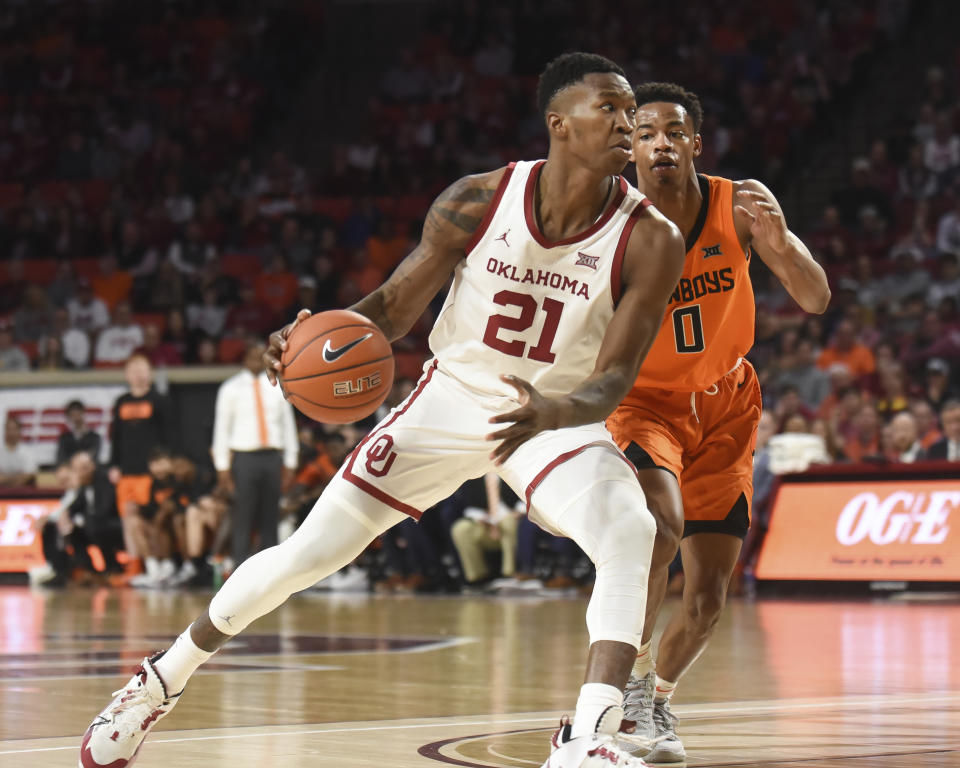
{"points": [[380, 456]]}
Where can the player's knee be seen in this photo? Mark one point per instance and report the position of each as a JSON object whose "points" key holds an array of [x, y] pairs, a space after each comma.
{"points": [[628, 535], [705, 606]]}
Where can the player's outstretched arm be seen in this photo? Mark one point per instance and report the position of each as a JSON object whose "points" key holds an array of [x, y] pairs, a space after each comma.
{"points": [[450, 223], [395, 306], [760, 221], [652, 266]]}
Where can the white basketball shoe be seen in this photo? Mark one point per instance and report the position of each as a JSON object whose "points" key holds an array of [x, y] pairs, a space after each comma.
{"points": [[116, 735], [637, 731], [667, 747], [595, 750]]}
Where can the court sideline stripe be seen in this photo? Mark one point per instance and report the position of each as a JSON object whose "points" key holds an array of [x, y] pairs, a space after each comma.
{"points": [[894, 701]]}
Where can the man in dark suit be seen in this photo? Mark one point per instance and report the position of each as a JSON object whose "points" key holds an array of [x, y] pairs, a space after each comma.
{"points": [[77, 436], [87, 515], [948, 449]]}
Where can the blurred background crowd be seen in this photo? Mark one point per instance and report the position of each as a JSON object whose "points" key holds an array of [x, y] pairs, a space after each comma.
{"points": [[177, 178]]}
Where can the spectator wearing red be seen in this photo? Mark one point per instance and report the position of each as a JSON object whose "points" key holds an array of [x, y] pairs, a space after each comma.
{"points": [[249, 317], [12, 286], [864, 443], [157, 351]]}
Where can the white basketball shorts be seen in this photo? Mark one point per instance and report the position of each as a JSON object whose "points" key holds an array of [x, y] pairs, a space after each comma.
{"points": [[434, 441]]}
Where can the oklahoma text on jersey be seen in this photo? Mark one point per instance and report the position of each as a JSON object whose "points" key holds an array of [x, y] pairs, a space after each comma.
{"points": [[525, 306]]}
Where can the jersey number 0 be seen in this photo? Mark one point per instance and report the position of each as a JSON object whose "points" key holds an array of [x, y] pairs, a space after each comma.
{"points": [[528, 312], [688, 329]]}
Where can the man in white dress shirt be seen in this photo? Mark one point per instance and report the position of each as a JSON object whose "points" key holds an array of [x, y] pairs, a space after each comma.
{"points": [[255, 449]]}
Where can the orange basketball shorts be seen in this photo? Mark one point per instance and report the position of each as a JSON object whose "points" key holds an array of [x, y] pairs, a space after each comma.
{"points": [[706, 440], [134, 488]]}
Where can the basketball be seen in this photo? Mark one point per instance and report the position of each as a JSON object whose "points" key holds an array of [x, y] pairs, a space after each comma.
{"points": [[337, 368]]}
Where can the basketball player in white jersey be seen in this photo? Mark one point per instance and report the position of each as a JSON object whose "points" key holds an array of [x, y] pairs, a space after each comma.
{"points": [[561, 276]]}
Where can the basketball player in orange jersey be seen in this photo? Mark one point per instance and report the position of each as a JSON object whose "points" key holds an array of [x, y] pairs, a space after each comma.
{"points": [[562, 273], [690, 421]]}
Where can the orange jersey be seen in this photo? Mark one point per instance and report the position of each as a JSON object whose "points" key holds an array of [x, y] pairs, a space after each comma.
{"points": [[709, 322]]}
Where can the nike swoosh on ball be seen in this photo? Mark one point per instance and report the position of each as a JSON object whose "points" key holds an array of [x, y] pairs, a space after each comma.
{"points": [[330, 354]]}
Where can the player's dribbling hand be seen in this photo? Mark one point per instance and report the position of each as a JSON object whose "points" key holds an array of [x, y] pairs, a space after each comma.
{"points": [[767, 225], [278, 343], [535, 414]]}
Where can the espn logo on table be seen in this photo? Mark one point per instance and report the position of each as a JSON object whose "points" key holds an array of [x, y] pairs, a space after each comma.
{"points": [[887, 529]]}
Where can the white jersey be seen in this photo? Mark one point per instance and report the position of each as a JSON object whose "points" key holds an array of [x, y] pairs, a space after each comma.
{"points": [[525, 306]]}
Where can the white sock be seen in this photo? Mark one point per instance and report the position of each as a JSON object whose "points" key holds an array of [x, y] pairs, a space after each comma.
{"points": [[152, 565], [594, 699], [643, 666], [664, 689], [180, 661]]}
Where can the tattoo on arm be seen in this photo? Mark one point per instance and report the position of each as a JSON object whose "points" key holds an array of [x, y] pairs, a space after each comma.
{"points": [[460, 192], [388, 306], [458, 219], [474, 195]]}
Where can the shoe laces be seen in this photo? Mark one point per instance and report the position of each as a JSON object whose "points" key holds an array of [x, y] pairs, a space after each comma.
{"points": [[136, 705], [638, 697], [665, 720]]}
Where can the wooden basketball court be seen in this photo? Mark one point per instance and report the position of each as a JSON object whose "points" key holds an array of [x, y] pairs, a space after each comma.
{"points": [[362, 680]]}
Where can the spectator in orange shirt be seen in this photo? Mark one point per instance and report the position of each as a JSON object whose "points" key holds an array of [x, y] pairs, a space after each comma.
{"points": [[386, 246], [276, 286], [844, 348], [112, 285], [314, 476]]}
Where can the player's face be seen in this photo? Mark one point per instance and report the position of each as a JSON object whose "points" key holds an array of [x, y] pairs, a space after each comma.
{"points": [[664, 143], [596, 117]]}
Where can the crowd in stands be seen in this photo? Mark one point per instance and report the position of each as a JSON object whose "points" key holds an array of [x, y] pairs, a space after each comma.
{"points": [[143, 209], [150, 517]]}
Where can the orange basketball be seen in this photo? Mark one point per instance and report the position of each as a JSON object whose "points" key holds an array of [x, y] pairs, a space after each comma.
{"points": [[337, 368]]}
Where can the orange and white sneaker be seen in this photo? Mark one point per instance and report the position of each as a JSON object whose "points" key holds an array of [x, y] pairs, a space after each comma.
{"points": [[116, 735], [595, 750]]}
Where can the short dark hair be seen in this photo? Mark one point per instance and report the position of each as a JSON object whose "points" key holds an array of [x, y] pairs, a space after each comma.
{"points": [[674, 94], [567, 69], [159, 452], [74, 405]]}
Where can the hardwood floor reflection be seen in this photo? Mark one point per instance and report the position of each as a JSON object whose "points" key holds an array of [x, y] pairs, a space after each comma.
{"points": [[409, 681]]}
